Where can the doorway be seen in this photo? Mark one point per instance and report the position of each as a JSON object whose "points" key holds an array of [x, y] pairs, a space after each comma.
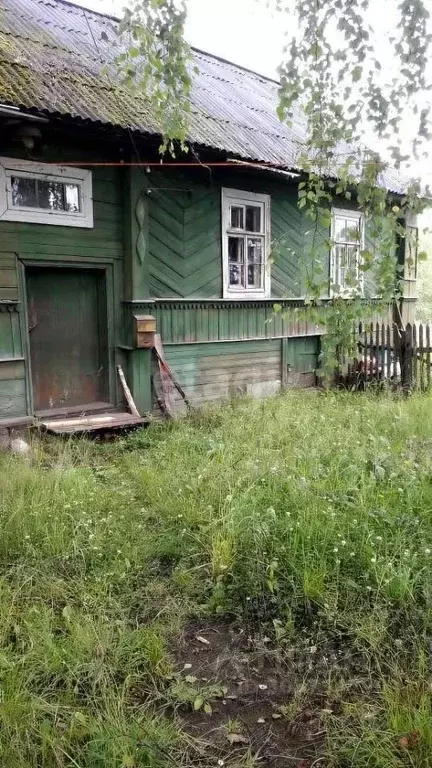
{"points": [[67, 317]]}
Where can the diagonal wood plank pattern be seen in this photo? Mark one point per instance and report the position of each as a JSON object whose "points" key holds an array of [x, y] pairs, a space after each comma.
{"points": [[186, 239]]}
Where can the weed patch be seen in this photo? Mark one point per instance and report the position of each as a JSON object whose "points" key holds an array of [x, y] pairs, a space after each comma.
{"points": [[295, 535]]}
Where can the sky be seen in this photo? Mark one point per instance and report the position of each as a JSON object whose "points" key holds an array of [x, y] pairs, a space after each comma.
{"points": [[247, 33], [243, 31]]}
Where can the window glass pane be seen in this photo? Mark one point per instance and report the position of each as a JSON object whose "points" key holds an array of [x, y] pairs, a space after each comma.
{"points": [[339, 229], [352, 252], [255, 250], [236, 275], [51, 195], [341, 251], [236, 261], [236, 249], [237, 217], [346, 229], [340, 265], [253, 218], [72, 197], [353, 230], [255, 262], [351, 266], [255, 275], [24, 192], [346, 275]]}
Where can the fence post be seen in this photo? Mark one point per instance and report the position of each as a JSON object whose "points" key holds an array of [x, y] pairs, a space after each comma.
{"points": [[422, 360], [407, 358], [428, 355], [388, 346]]}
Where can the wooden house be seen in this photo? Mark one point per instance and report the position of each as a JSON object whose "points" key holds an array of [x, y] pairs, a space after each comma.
{"points": [[97, 236]]}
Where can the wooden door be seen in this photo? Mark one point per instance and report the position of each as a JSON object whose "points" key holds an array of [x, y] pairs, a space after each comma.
{"points": [[67, 332]]}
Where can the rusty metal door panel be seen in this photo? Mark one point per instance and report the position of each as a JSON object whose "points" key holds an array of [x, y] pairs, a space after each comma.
{"points": [[65, 313]]}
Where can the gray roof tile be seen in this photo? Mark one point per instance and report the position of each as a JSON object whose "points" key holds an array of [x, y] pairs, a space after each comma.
{"points": [[51, 57]]}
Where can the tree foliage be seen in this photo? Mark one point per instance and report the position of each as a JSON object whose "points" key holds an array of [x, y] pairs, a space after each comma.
{"points": [[155, 59], [342, 83], [347, 83]]}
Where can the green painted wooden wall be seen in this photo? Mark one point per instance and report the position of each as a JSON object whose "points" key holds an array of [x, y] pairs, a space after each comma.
{"points": [[22, 243], [177, 276], [192, 320], [185, 233], [185, 248], [220, 371]]}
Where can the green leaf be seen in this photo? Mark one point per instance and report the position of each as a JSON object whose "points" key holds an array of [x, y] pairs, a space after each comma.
{"points": [[199, 701], [325, 221], [207, 709]]}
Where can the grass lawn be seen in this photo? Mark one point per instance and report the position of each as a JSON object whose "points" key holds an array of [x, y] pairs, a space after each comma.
{"points": [[249, 587]]}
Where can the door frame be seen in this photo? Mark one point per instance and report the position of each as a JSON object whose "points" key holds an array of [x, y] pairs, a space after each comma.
{"points": [[107, 270]]}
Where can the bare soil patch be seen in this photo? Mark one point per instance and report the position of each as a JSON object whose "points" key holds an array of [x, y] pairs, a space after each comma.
{"points": [[273, 702]]}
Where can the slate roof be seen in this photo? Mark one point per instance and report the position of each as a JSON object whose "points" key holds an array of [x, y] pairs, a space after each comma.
{"points": [[51, 56]]}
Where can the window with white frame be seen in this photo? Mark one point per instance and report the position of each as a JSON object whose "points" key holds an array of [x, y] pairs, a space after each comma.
{"points": [[347, 244], [245, 243], [45, 194]]}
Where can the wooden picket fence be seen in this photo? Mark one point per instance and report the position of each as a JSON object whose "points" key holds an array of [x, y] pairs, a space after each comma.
{"points": [[387, 354]]}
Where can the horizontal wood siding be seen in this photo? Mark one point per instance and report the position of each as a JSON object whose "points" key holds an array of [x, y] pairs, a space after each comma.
{"points": [[104, 241], [8, 276], [216, 372], [12, 388], [185, 234]]}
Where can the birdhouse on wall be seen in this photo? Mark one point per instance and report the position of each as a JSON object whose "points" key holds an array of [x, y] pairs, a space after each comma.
{"points": [[145, 329]]}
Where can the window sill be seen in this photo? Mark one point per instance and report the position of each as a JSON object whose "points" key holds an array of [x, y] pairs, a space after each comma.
{"points": [[47, 217], [246, 295]]}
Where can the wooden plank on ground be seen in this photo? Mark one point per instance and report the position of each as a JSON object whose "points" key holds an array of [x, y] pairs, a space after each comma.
{"points": [[98, 423]]}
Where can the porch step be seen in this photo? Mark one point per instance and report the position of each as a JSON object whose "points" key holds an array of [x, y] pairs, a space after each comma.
{"points": [[75, 410], [91, 424]]}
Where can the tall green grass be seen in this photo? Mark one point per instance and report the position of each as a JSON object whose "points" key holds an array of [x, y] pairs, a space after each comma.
{"points": [[307, 514]]}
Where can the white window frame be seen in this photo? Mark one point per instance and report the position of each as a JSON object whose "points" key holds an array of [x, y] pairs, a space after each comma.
{"points": [[241, 198], [9, 167], [348, 291]]}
